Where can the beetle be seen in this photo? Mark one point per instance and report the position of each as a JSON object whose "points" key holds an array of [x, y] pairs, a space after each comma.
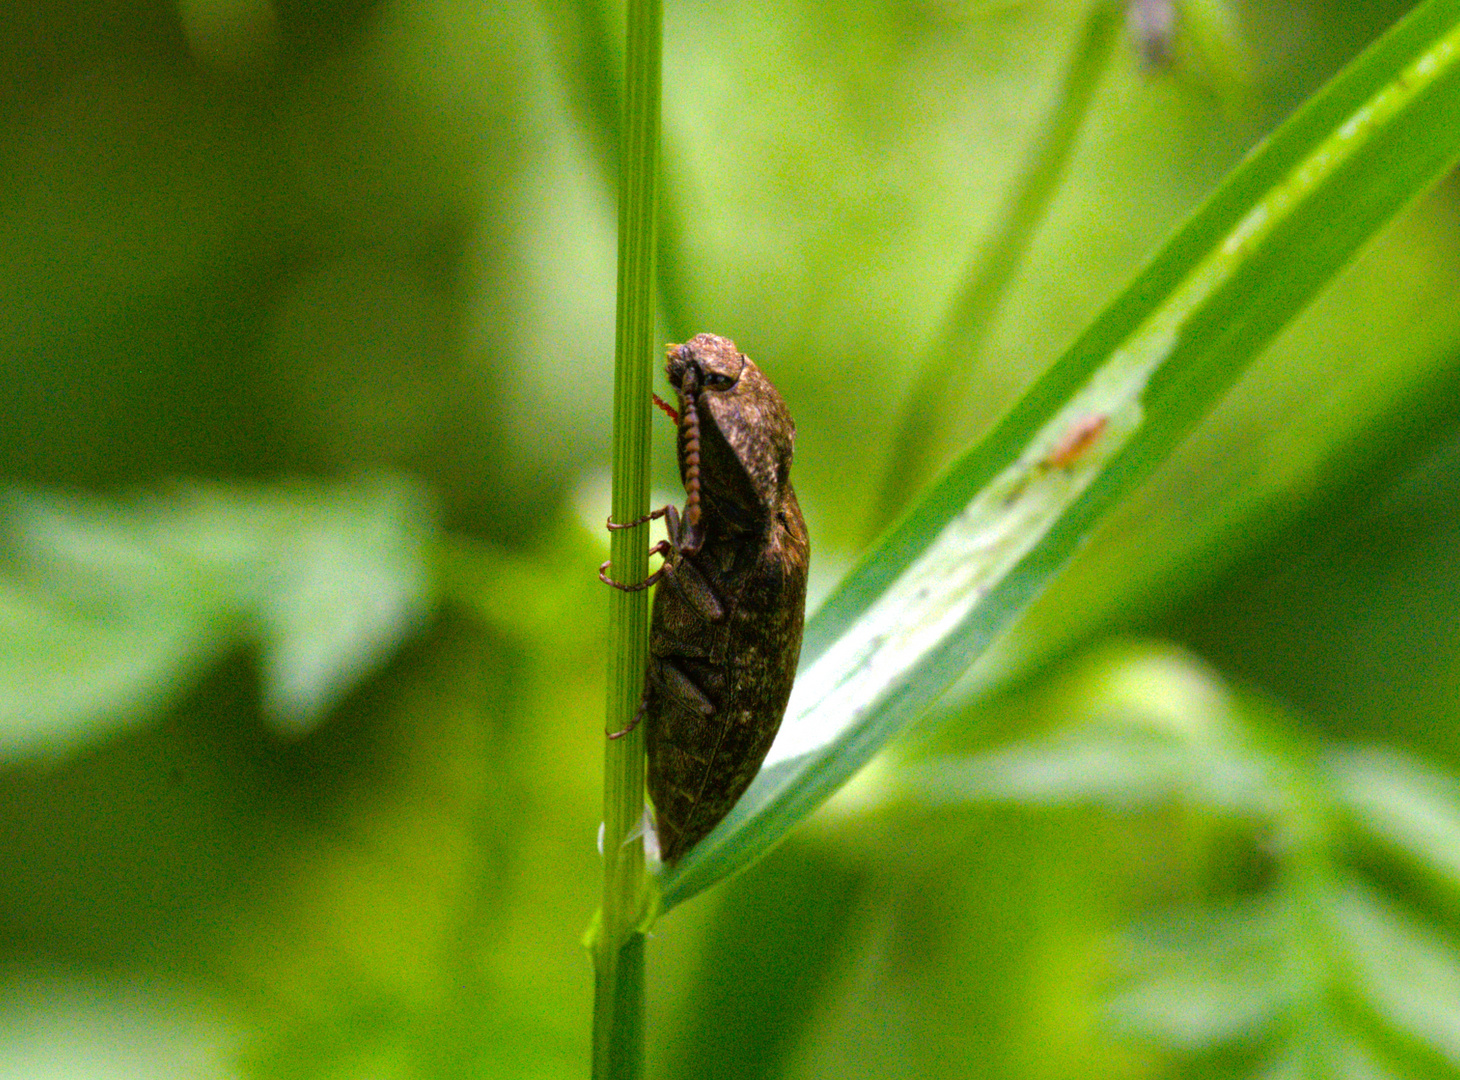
{"points": [[725, 632]]}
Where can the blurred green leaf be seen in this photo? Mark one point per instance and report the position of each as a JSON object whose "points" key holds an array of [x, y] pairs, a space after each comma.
{"points": [[1402, 969], [1340, 1056], [999, 525], [1207, 977], [418, 925], [112, 608], [1106, 769], [1404, 803], [1317, 964], [87, 1028], [1112, 768]]}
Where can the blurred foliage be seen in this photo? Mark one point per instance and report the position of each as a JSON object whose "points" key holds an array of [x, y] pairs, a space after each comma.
{"points": [[1311, 946], [113, 609], [300, 776]]}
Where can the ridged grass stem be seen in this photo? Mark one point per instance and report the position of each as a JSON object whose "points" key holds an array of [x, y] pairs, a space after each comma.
{"points": [[618, 944]]}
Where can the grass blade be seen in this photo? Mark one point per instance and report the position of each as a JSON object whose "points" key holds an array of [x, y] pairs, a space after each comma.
{"points": [[992, 532]]}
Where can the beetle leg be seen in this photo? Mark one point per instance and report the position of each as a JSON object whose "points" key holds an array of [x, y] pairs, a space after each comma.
{"points": [[684, 690], [661, 548], [650, 516], [692, 584], [638, 715]]}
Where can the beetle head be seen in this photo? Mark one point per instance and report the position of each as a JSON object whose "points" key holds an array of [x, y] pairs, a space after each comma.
{"points": [[739, 428]]}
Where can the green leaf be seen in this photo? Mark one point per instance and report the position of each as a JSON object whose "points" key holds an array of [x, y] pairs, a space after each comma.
{"points": [[1341, 1056], [108, 610], [987, 537], [1404, 803], [1200, 979], [1403, 970], [95, 1028], [1111, 768], [1319, 970], [1137, 725], [1355, 1060], [1105, 769]]}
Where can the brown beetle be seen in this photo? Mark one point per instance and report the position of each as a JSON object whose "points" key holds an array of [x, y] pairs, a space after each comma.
{"points": [[726, 628]]}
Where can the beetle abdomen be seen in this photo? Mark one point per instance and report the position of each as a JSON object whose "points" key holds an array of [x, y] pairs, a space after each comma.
{"points": [[717, 690]]}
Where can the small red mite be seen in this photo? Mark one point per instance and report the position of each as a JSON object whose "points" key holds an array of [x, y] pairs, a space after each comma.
{"points": [[1076, 441]]}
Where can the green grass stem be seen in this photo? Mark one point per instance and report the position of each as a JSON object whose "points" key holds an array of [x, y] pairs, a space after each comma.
{"points": [[617, 938]]}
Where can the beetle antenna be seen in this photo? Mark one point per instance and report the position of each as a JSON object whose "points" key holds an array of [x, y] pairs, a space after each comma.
{"points": [[690, 428]]}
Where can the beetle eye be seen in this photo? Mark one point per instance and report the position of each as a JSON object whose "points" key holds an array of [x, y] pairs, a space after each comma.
{"points": [[715, 381]]}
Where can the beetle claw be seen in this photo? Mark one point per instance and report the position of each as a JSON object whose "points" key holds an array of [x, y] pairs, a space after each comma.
{"points": [[638, 715], [661, 548]]}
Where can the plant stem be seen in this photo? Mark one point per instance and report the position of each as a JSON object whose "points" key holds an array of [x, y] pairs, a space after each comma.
{"points": [[618, 947], [924, 416]]}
